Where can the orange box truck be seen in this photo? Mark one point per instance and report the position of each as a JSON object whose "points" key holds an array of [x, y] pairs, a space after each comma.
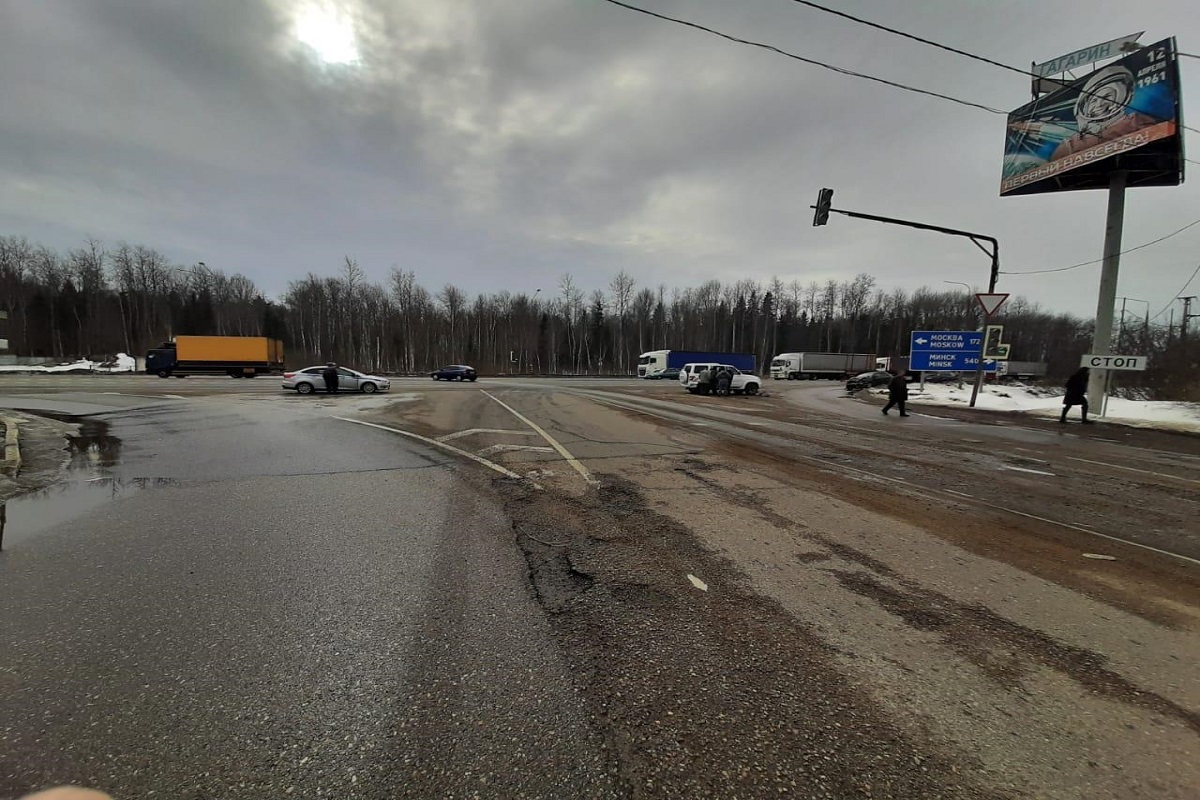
{"points": [[236, 356]]}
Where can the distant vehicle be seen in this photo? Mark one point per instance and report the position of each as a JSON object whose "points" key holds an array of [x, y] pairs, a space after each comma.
{"points": [[742, 383], [312, 379], [1023, 370], [811, 366], [654, 363], [235, 356], [942, 377], [869, 380], [454, 372], [892, 363]]}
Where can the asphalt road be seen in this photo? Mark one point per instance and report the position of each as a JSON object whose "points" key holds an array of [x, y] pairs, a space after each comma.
{"points": [[273, 602], [671, 596]]}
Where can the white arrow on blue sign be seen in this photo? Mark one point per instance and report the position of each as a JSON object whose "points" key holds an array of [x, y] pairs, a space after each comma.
{"points": [[947, 351]]}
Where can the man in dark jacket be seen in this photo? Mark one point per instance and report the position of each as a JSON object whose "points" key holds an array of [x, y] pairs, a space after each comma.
{"points": [[722, 381], [897, 393], [330, 374], [1076, 395]]}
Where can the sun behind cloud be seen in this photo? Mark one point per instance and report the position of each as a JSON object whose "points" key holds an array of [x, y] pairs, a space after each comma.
{"points": [[327, 31]]}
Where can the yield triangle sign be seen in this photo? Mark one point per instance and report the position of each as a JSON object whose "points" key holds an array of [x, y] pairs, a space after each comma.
{"points": [[990, 303]]}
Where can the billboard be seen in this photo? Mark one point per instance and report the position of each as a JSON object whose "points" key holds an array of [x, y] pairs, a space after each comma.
{"points": [[1123, 116]]}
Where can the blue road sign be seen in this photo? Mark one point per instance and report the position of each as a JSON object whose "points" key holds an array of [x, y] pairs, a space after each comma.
{"points": [[947, 351]]}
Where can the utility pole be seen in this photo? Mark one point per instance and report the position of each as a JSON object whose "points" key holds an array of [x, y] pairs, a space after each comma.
{"points": [[1187, 314]]}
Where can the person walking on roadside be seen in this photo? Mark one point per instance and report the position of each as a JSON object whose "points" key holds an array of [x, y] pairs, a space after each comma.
{"points": [[1076, 395], [330, 374], [897, 393]]}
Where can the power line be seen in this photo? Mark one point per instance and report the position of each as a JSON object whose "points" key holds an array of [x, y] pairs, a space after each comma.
{"points": [[914, 37], [1098, 260], [1171, 302], [948, 48], [811, 61]]}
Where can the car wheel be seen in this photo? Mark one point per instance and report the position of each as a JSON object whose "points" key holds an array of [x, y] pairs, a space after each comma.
{"points": [[472, 378], [368, 388], [304, 388], [751, 388], [164, 373]]}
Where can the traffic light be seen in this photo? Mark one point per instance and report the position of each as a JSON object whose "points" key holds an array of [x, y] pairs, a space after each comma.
{"points": [[991, 342], [824, 201]]}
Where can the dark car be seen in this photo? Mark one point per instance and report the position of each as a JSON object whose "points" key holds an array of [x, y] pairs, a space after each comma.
{"points": [[454, 372], [668, 374], [869, 380]]}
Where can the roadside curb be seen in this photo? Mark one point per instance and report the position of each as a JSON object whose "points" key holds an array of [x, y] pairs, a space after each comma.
{"points": [[11, 465]]}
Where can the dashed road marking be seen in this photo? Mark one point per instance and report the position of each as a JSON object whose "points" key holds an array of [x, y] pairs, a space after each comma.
{"points": [[508, 448], [1026, 469], [1135, 469], [550, 440], [449, 437]]}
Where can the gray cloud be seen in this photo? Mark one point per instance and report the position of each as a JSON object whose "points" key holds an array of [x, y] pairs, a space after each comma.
{"points": [[499, 145]]}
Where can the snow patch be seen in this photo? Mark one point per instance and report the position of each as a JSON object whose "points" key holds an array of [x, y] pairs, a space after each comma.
{"points": [[122, 363], [1039, 402]]}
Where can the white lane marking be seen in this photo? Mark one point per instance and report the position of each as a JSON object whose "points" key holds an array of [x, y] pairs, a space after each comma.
{"points": [[449, 437], [1031, 471], [1135, 469], [507, 448], [1102, 535], [489, 464], [550, 440], [913, 490]]}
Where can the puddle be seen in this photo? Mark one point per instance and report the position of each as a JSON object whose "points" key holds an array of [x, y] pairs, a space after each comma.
{"points": [[30, 514], [84, 487]]}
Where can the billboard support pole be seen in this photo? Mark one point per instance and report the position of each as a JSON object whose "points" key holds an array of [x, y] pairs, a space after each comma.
{"points": [[1107, 301]]}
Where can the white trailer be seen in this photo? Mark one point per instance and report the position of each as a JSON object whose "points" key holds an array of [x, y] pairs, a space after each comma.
{"points": [[810, 366]]}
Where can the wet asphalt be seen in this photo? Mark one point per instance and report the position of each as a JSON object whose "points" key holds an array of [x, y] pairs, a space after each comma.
{"points": [[269, 603]]}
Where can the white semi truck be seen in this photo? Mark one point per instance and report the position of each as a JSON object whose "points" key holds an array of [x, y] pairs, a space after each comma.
{"points": [[810, 366]]}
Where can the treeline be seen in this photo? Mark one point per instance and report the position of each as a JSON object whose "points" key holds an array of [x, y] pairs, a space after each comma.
{"points": [[95, 301]]}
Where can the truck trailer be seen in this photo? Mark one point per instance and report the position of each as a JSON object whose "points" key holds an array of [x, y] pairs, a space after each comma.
{"points": [[667, 363], [810, 366], [235, 356]]}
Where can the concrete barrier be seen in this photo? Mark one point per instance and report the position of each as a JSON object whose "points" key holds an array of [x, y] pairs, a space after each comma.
{"points": [[12, 448]]}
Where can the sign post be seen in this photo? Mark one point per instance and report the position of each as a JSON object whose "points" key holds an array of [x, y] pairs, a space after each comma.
{"points": [[1103, 366], [990, 302]]}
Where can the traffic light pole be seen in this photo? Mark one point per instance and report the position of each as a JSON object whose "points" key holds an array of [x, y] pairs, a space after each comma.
{"points": [[977, 238]]}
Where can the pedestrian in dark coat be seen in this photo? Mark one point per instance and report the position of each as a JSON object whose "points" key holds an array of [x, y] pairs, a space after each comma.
{"points": [[1076, 395], [722, 381], [897, 393], [330, 374]]}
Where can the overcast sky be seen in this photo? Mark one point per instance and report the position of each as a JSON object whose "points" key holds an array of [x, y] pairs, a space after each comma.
{"points": [[498, 144]]}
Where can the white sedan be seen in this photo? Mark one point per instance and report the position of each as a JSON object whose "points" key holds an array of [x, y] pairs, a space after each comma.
{"points": [[312, 379]]}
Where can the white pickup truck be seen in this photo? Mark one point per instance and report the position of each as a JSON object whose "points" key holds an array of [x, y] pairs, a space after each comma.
{"points": [[743, 383]]}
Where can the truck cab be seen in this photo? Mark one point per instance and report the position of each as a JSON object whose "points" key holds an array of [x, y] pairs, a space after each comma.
{"points": [[652, 364], [785, 365]]}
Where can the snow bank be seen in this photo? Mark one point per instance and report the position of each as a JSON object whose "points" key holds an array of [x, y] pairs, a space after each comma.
{"points": [[1043, 403], [122, 363]]}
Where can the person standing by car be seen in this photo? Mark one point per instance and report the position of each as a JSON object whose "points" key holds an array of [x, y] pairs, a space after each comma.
{"points": [[722, 381], [330, 374], [897, 393], [1076, 395]]}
